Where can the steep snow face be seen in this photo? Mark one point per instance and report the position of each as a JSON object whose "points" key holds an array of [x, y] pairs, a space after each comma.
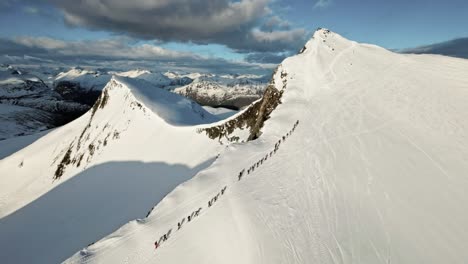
{"points": [[375, 172], [174, 109], [82, 181], [220, 112]]}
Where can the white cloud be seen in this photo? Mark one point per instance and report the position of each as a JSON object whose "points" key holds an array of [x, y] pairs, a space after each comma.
{"points": [[110, 48], [117, 53], [286, 36], [323, 3], [41, 42]]}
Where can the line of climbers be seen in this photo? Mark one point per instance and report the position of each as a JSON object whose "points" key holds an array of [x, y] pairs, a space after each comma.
{"points": [[268, 155], [213, 200], [189, 218]]}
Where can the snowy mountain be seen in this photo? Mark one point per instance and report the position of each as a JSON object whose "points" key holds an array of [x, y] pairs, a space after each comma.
{"points": [[72, 186], [157, 79], [61, 97], [228, 91], [80, 85], [363, 161], [354, 154], [233, 91]]}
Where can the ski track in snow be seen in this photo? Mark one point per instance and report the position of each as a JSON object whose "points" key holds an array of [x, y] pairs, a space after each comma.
{"points": [[331, 69]]}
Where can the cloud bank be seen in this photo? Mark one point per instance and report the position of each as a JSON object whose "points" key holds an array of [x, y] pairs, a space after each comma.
{"points": [[454, 48], [245, 25], [116, 54]]}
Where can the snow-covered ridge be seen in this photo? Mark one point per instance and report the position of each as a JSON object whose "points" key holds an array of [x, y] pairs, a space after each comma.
{"points": [[122, 101], [87, 79], [375, 173], [174, 109], [125, 94], [91, 159]]}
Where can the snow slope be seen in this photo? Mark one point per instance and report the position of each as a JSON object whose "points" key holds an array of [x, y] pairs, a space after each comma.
{"points": [[375, 172], [12, 145], [82, 181], [220, 112], [157, 79], [17, 120]]}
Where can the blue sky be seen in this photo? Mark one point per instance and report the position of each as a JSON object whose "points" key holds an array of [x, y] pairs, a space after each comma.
{"points": [[248, 30], [392, 24]]}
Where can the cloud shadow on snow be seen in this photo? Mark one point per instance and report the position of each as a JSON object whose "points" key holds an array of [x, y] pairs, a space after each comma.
{"points": [[86, 208]]}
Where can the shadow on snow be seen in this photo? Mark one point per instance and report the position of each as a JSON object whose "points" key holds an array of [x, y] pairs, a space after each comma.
{"points": [[86, 208]]}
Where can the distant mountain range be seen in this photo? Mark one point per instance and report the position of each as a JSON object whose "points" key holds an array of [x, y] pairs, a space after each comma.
{"points": [[454, 48], [28, 105], [37, 99]]}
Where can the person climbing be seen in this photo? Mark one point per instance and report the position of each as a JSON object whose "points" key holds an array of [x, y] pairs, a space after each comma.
{"points": [[241, 174]]}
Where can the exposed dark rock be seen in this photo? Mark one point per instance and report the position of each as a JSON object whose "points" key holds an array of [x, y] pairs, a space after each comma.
{"points": [[72, 91], [252, 118], [66, 160]]}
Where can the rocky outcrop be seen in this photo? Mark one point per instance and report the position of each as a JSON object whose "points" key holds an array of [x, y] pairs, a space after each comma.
{"points": [[252, 118]]}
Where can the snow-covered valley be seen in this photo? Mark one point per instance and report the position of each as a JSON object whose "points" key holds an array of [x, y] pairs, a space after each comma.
{"points": [[355, 154]]}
